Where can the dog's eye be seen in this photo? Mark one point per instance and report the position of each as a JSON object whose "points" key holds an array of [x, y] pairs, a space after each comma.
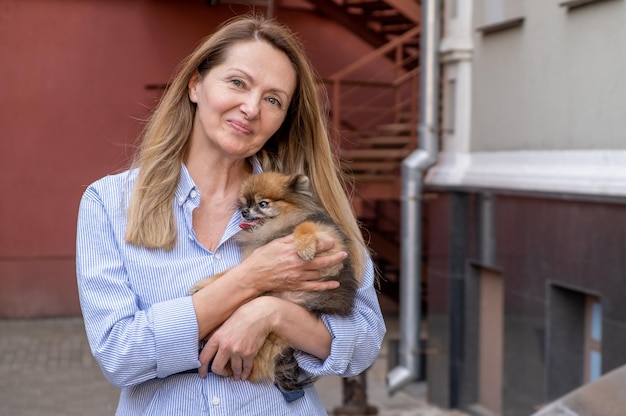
{"points": [[263, 204]]}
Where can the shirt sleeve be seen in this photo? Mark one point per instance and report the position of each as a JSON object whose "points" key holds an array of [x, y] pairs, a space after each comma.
{"points": [[356, 338], [131, 344]]}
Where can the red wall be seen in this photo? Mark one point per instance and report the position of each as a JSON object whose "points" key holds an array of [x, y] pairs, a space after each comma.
{"points": [[72, 97]]}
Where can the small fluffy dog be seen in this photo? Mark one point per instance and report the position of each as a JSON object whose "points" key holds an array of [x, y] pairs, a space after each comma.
{"points": [[274, 205]]}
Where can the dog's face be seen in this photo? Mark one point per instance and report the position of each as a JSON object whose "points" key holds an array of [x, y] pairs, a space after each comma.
{"points": [[266, 196]]}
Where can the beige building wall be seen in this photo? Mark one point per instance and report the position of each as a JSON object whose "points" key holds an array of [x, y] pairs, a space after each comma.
{"points": [[534, 96], [554, 82]]}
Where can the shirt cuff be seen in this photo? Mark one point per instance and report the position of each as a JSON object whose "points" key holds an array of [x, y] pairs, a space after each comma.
{"points": [[175, 336], [341, 348]]}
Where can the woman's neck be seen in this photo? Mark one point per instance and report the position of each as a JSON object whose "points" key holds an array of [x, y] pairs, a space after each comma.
{"points": [[218, 177]]}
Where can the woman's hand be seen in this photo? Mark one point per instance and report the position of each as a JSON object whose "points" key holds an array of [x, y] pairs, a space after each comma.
{"points": [[239, 339], [242, 335], [278, 268]]}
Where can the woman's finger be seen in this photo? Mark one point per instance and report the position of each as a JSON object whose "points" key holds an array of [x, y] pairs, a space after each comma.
{"points": [[324, 262], [236, 367], [247, 367], [219, 365], [317, 286], [324, 243], [206, 355]]}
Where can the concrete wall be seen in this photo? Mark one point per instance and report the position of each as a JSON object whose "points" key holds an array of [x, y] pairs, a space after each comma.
{"points": [[549, 251]]}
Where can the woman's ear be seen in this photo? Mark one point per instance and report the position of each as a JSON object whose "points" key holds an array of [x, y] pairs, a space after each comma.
{"points": [[192, 86]]}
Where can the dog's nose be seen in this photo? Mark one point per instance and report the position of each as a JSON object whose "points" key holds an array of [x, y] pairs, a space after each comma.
{"points": [[245, 213]]}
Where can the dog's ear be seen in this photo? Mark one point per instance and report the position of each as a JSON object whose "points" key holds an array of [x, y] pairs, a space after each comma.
{"points": [[301, 184]]}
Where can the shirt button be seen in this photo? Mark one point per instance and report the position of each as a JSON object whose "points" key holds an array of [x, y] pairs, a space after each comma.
{"points": [[193, 194], [181, 200], [215, 401], [218, 256]]}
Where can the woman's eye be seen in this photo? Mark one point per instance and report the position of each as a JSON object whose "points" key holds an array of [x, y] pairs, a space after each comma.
{"points": [[274, 101], [264, 204], [237, 82]]}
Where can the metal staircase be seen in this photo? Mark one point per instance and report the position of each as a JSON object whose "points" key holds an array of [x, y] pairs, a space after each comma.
{"points": [[375, 119], [376, 21]]}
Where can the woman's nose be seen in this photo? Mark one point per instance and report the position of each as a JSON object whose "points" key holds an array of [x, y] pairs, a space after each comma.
{"points": [[250, 107]]}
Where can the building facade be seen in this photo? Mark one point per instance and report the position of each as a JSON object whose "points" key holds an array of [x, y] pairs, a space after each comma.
{"points": [[526, 205]]}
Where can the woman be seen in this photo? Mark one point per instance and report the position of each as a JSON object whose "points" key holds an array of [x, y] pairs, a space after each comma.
{"points": [[243, 102]]}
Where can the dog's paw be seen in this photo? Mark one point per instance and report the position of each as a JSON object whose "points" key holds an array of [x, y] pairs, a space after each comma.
{"points": [[307, 252], [306, 240], [202, 284], [196, 288], [205, 282]]}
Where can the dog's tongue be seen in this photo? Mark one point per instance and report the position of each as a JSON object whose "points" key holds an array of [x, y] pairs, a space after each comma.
{"points": [[247, 225]]}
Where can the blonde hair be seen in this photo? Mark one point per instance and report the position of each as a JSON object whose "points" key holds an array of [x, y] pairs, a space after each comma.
{"points": [[301, 144]]}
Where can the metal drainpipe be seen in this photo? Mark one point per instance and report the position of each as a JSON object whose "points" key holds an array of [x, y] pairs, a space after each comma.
{"points": [[413, 168]]}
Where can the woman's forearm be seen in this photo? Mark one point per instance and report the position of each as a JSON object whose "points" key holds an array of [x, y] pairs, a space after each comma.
{"points": [[304, 330], [217, 301]]}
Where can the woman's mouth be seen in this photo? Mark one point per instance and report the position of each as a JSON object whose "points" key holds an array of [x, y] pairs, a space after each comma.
{"points": [[240, 127]]}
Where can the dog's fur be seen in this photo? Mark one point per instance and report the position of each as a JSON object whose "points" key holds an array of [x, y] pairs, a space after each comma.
{"points": [[274, 205]]}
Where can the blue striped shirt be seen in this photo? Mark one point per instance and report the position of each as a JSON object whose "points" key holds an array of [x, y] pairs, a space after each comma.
{"points": [[141, 323]]}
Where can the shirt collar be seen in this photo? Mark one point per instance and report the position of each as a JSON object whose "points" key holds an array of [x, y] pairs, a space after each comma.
{"points": [[186, 184], [256, 165]]}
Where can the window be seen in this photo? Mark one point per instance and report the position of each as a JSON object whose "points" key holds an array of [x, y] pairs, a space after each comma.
{"points": [[593, 338], [571, 4], [574, 345], [497, 15]]}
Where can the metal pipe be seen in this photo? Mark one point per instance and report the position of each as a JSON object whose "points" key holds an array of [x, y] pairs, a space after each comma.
{"points": [[413, 168]]}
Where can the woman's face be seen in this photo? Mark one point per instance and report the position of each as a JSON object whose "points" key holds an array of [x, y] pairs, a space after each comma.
{"points": [[243, 101]]}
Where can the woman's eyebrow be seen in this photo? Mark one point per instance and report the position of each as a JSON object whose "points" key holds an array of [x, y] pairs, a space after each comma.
{"points": [[251, 78]]}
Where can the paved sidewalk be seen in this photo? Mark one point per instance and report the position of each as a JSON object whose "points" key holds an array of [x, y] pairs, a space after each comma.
{"points": [[46, 368]]}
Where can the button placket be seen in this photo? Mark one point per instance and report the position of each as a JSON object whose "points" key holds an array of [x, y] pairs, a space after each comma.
{"points": [[189, 204]]}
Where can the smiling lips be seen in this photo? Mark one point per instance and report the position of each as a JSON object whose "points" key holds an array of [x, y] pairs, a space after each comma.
{"points": [[240, 127]]}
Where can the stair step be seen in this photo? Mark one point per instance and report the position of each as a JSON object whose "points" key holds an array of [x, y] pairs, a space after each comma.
{"points": [[395, 128], [368, 6], [395, 29], [393, 19], [384, 140], [370, 166], [374, 178], [405, 116], [374, 154]]}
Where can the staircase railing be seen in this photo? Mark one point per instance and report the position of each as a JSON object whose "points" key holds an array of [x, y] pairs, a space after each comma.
{"points": [[390, 100], [359, 110]]}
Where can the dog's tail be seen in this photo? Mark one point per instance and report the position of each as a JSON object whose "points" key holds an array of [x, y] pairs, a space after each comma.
{"points": [[288, 377]]}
